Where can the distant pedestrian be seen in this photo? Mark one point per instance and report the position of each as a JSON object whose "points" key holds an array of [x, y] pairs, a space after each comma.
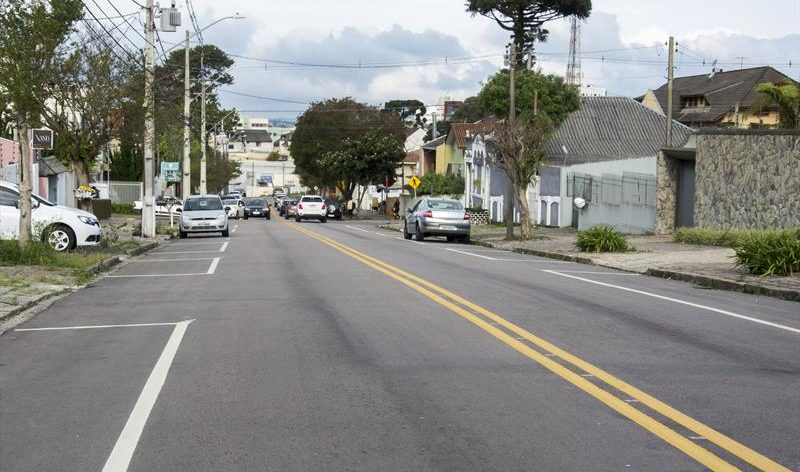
{"points": [[351, 207], [396, 210]]}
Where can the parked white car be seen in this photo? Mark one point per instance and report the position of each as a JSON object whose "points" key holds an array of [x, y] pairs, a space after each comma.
{"points": [[311, 207], [164, 206], [61, 227]]}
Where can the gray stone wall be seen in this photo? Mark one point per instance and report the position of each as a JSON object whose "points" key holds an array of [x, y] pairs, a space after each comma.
{"points": [[747, 180], [666, 193]]}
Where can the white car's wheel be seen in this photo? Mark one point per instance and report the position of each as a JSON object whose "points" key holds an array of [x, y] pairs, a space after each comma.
{"points": [[60, 237]]}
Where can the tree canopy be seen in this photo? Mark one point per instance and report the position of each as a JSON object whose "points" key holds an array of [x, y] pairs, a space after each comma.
{"points": [[555, 99], [326, 126], [408, 109], [786, 96], [364, 160], [526, 18]]}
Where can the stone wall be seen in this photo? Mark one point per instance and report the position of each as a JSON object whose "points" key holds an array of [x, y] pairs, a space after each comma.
{"points": [[666, 193], [746, 179]]}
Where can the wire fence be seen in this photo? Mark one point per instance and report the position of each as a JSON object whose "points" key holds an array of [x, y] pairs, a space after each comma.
{"points": [[125, 192], [613, 189]]}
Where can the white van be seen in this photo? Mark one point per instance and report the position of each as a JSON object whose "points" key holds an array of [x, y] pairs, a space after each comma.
{"points": [[63, 228]]}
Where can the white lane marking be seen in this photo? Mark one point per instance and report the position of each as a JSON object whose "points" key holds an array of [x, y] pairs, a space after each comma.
{"points": [[682, 302], [234, 229], [154, 275], [384, 235], [178, 260], [213, 266], [409, 240], [121, 455], [470, 254], [357, 229], [133, 325], [224, 246], [538, 261], [183, 252], [598, 272]]}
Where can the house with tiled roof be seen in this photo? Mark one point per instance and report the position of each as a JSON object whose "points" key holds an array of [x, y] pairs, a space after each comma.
{"points": [[722, 99], [450, 155]]}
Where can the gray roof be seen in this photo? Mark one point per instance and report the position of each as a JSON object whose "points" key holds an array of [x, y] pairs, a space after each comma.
{"points": [[610, 128], [51, 166], [722, 91], [431, 145], [256, 135]]}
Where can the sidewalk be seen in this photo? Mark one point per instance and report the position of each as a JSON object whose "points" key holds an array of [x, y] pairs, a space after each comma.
{"points": [[659, 256]]}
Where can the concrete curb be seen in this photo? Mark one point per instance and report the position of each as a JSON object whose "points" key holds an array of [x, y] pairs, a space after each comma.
{"points": [[723, 284], [95, 269]]}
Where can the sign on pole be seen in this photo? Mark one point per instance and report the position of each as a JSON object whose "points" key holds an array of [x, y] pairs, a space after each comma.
{"points": [[171, 171], [414, 182], [42, 138]]}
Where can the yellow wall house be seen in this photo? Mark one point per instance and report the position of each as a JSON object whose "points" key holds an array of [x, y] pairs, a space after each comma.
{"points": [[719, 99]]}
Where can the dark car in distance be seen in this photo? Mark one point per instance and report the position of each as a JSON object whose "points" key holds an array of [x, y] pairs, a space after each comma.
{"points": [[334, 208], [256, 207]]}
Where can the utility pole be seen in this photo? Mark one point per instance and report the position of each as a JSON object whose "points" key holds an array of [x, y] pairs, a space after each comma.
{"points": [[670, 76], [434, 132], [203, 125], [508, 199], [186, 186], [148, 210]]}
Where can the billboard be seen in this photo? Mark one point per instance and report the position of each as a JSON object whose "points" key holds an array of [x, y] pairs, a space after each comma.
{"points": [[171, 171]]}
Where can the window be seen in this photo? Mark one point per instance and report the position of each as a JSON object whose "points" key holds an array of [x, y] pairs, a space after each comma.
{"points": [[199, 204], [8, 197], [696, 101], [444, 205]]}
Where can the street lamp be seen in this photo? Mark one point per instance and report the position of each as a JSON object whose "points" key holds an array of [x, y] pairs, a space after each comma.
{"points": [[186, 186]]}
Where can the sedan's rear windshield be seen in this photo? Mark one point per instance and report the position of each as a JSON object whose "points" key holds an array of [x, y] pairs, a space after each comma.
{"points": [[444, 205], [257, 202], [199, 204], [313, 199]]}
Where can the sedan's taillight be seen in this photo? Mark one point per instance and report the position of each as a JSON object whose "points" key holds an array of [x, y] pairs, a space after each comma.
{"points": [[428, 214], [299, 206], [324, 207], [466, 215]]}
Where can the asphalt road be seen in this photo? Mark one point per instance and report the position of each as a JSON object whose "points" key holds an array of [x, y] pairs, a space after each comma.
{"points": [[340, 347]]}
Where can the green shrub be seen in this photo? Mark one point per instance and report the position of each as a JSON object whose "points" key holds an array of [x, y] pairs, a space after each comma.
{"points": [[601, 238], [714, 237], [770, 252], [440, 184], [122, 208]]}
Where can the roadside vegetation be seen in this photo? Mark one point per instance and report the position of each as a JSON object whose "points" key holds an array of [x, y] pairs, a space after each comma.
{"points": [[601, 238], [37, 253], [122, 208], [770, 253]]}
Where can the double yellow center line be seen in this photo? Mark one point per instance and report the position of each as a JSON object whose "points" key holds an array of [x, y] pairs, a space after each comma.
{"points": [[570, 369]]}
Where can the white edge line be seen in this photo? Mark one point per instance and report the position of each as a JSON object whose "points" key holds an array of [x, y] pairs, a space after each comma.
{"points": [[177, 260], [133, 325], [683, 302], [224, 246], [153, 275], [599, 272], [182, 252], [470, 254], [409, 240], [383, 234], [213, 266], [121, 455], [357, 229], [538, 261]]}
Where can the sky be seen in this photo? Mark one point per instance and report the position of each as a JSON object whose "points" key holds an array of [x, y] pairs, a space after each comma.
{"points": [[430, 49]]}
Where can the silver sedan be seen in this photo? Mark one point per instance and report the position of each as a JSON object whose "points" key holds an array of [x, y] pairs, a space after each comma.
{"points": [[437, 217]]}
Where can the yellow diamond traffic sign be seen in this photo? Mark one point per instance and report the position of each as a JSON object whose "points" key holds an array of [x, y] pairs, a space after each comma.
{"points": [[414, 182]]}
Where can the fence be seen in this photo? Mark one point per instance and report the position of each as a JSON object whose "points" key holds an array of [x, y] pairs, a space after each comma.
{"points": [[613, 189], [125, 192]]}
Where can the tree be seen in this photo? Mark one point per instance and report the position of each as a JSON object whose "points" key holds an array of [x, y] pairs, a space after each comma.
{"points": [[442, 128], [274, 156], [364, 160], [30, 35], [525, 19], [520, 149], [469, 112], [552, 96], [408, 109], [787, 98], [85, 103], [326, 126]]}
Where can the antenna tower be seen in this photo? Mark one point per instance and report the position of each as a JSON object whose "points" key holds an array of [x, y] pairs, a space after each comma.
{"points": [[574, 65]]}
